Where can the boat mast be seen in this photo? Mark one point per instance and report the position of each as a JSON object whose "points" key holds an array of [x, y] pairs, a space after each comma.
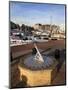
{"points": [[50, 26]]}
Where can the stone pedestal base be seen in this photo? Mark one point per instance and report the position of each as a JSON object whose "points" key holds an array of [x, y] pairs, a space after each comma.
{"points": [[38, 77]]}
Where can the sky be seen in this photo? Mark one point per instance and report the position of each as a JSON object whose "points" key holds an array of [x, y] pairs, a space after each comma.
{"points": [[33, 13]]}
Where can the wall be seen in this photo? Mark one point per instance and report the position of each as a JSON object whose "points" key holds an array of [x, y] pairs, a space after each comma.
{"points": [[14, 75]]}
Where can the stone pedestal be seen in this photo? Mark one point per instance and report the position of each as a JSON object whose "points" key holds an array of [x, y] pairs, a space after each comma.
{"points": [[39, 77]]}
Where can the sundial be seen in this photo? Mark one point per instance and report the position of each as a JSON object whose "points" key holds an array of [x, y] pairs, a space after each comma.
{"points": [[38, 61], [38, 68]]}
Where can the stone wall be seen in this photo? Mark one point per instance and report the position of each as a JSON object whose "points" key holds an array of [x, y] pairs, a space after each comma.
{"points": [[42, 45], [14, 75]]}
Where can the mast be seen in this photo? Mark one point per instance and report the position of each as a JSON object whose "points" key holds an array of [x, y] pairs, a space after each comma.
{"points": [[50, 26]]}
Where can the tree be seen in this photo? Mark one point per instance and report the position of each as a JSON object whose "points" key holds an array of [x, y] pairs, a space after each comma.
{"points": [[14, 26]]}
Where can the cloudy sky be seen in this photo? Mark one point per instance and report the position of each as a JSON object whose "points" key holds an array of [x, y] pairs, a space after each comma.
{"points": [[32, 13]]}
